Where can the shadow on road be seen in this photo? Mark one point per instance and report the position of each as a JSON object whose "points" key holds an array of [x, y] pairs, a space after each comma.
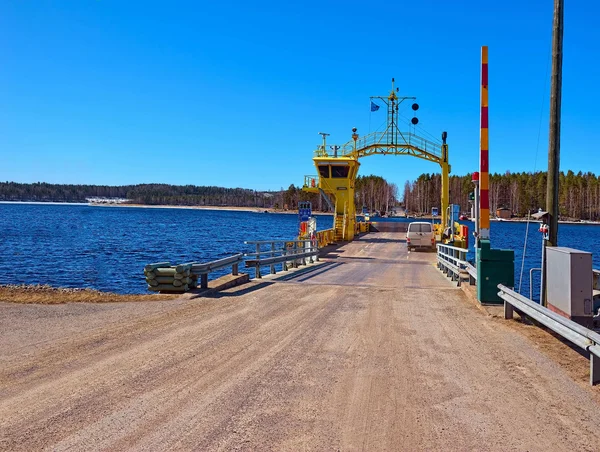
{"points": [[240, 290], [303, 275], [382, 240]]}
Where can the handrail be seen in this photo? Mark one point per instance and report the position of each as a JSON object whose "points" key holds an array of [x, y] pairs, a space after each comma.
{"points": [[531, 270], [455, 248], [452, 260], [311, 181], [163, 276], [279, 259], [582, 337], [471, 270], [325, 237], [216, 265], [204, 269], [389, 138], [297, 254], [267, 242]]}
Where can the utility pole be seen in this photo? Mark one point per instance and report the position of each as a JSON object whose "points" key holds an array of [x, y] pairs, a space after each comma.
{"points": [[554, 139]]}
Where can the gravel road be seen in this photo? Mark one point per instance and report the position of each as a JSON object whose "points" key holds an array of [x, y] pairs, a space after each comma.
{"points": [[374, 349]]}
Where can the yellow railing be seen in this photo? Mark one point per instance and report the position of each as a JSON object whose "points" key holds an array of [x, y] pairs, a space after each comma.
{"points": [[325, 237], [384, 140], [362, 227], [311, 181]]}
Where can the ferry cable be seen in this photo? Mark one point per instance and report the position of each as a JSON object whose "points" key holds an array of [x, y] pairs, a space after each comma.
{"points": [[534, 168]]}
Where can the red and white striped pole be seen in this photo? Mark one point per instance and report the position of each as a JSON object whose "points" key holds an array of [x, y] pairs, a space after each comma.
{"points": [[484, 197]]}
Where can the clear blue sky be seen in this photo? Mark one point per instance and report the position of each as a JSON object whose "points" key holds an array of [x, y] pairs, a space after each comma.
{"points": [[234, 93]]}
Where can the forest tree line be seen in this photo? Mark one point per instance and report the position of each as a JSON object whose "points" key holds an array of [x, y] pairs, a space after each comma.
{"points": [[371, 191], [579, 193], [150, 194]]}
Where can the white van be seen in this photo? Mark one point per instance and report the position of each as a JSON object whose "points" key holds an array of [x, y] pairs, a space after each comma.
{"points": [[420, 235]]}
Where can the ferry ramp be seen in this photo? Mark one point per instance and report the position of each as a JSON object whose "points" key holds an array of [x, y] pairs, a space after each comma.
{"points": [[374, 349]]}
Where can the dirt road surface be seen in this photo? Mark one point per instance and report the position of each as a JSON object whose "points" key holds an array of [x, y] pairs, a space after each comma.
{"points": [[372, 350]]}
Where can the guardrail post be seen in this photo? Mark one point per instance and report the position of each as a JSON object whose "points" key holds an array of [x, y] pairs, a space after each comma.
{"points": [[454, 255], [284, 253], [204, 281], [303, 251], [257, 270], [295, 251], [508, 310], [310, 249], [272, 254], [234, 269], [594, 369], [315, 247]]}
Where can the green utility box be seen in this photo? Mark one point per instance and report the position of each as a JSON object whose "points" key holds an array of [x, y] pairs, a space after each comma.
{"points": [[493, 267]]}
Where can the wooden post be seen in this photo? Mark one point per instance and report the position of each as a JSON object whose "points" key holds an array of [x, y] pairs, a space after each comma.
{"points": [[554, 139]]}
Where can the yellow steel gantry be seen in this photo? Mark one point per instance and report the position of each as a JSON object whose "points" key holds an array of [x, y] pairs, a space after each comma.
{"points": [[337, 170]]}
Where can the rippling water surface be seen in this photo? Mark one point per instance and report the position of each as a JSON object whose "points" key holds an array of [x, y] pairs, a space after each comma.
{"points": [[106, 248], [509, 235]]}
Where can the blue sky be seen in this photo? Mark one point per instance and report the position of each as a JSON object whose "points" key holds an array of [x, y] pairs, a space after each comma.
{"points": [[234, 93]]}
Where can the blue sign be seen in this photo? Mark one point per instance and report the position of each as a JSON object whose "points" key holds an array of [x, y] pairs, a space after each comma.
{"points": [[454, 212], [304, 211]]}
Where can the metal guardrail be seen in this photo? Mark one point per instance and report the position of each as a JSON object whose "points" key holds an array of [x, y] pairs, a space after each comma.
{"points": [[472, 271], [582, 337], [296, 252], [204, 269], [452, 261]]}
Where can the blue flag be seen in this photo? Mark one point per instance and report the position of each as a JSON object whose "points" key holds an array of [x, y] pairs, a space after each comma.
{"points": [[374, 106]]}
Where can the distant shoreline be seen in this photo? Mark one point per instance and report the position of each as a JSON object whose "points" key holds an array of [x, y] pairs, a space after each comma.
{"points": [[223, 208], [524, 220], [271, 210], [166, 206], [52, 203]]}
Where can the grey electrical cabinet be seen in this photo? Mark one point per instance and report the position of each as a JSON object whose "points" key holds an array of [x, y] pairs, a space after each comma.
{"points": [[569, 282]]}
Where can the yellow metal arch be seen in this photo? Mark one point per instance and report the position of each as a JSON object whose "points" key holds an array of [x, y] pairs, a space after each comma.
{"points": [[389, 143], [338, 185]]}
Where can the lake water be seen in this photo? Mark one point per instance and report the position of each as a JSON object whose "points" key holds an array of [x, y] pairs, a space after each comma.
{"points": [[106, 248]]}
